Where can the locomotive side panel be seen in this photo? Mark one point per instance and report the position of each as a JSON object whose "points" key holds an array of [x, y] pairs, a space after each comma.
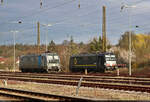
{"points": [[82, 62], [32, 63]]}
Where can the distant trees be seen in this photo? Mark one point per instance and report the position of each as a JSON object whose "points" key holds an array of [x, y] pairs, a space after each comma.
{"points": [[73, 47], [96, 45], [64, 50], [65, 42], [69, 48], [124, 40], [140, 47]]}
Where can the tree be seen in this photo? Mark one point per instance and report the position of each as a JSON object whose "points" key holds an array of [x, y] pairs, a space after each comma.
{"points": [[124, 40], [73, 47], [140, 47], [81, 45], [95, 45], [65, 42], [52, 46]]}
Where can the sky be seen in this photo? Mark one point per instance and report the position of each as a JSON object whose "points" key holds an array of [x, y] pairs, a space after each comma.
{"points": [[67, 19]]}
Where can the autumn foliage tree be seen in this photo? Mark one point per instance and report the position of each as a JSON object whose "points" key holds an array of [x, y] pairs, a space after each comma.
{"points": [[140, 47]]}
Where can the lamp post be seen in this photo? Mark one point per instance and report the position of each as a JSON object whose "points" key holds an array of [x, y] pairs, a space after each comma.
{"points": [[46, 25], [130, 50], [14, 32]]}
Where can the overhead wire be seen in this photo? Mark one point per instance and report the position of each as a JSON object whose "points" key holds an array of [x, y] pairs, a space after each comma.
{"points": [[116, 18], [62, 20], [48, 8], [72, 17], [67, 20], [41, 10]]}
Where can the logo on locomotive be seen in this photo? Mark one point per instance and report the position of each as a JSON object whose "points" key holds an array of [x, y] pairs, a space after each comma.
{"points": [[75, 61]]}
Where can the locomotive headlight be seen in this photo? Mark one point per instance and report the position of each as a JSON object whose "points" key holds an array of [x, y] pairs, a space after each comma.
{"points": [[108, 65], [113, 65], [53, 64]]}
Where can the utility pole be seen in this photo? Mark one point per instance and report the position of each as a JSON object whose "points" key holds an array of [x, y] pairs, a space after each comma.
{"points": [[130, 40], [46, 25], [104, 29], [14, 32], [38, 37]]}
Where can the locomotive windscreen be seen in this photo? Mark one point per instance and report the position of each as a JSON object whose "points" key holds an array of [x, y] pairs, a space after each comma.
{"points": [[110, 57], [53, 59]]}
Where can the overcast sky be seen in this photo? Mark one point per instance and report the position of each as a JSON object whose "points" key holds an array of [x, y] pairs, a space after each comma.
{"points": [[67, 19]]}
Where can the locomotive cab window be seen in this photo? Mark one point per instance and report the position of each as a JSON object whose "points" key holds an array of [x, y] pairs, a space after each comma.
{"points": [[113, 58], [53, 59], [110, 57]]}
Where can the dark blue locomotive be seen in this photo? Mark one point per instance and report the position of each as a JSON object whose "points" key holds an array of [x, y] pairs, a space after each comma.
{"points": [[46, 62]]}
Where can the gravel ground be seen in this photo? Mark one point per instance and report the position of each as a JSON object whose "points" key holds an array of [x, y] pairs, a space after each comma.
{"points": [[103, 94]]}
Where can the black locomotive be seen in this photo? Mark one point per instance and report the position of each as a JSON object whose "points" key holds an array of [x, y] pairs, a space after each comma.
{"points": [[99, 62]]}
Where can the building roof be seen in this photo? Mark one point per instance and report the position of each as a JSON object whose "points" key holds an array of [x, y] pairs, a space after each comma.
{"points": [[2, 59]]}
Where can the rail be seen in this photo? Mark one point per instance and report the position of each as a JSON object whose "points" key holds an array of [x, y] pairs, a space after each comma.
{"points": [[36, 96]]}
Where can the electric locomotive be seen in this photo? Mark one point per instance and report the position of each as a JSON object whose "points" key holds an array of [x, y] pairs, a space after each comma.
{"points": [[99, 62], [46, 62]]}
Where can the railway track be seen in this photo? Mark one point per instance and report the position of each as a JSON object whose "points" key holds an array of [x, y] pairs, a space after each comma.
{"points": [[75, 75], [104, 79], [125, 87], [119, 83], [36, 96]]}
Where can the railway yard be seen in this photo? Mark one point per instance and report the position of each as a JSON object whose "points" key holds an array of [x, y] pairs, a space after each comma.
{"points": [[61, 86], [75, 50]]}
